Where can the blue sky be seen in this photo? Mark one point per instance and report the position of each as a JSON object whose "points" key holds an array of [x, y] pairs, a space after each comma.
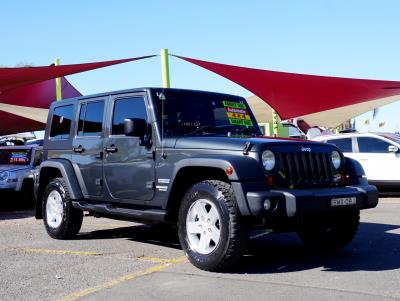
{"points": [[337, 38]]}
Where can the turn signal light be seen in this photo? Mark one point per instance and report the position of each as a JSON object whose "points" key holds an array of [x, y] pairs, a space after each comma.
{"points": [[229, 170], [270, 181]]}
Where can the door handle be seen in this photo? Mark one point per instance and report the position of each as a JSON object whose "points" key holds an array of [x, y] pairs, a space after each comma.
{"points": [[111, 149], [78, 149]]}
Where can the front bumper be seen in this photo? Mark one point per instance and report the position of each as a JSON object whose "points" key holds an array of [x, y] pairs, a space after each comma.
{"points": [[290, 203]]}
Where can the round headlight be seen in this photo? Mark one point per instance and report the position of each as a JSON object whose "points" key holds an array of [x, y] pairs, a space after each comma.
{"points": [[336, 159], [268, 160], [4, 176]]}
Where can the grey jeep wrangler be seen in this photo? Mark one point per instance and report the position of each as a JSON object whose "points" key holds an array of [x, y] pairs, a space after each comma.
{"points": [[198, 160]]}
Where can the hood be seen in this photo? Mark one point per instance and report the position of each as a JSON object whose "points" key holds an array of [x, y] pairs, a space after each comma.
{"points": [[233, 143]]}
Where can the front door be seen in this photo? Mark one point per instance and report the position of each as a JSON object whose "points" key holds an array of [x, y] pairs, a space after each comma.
{"points": [[128, 165], [88, 146]]}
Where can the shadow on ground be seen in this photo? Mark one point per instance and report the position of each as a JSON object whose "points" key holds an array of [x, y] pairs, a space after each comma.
{"points": [[161, 235], [389, 194], [374, 248], [13, 207]]}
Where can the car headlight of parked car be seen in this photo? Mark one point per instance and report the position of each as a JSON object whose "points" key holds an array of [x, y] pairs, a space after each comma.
{"points": [[336, 159], [268, 160], [4, 175]]}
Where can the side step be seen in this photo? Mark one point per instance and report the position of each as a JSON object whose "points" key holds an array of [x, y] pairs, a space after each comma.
{"points": [[109, 210]]}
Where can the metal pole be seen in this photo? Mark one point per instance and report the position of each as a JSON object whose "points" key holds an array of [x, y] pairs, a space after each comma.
{"points": [[165, 68], [274, 123], [58, 82]]}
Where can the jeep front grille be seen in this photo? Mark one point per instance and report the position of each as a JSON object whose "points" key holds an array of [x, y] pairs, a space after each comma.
{"points": [[304, 169]]}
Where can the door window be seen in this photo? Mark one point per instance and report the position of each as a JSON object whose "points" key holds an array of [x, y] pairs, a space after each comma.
{"points": [[372, 145], [133, 107], [343, 144], [91, 119], [61, 122]]}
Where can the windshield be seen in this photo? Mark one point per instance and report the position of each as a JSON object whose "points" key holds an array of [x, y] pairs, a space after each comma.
{"points": [[190, 114], [15, 156]]}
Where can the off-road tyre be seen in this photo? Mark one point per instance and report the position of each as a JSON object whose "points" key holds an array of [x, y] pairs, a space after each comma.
{"points": [[233, 233], [330, 231], [71, 220]]}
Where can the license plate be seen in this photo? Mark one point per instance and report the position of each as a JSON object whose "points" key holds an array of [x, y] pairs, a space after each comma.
{"points": [[336, 202]]}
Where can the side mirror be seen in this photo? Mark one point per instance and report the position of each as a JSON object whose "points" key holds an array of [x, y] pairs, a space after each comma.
{"points": [[393, 149], [135, 127]]}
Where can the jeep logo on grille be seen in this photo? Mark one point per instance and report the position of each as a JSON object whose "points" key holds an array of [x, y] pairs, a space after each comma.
{"points": [[305, 149]]}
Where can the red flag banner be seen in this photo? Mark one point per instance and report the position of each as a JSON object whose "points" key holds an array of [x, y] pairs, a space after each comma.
{"points": [[293, 95]]}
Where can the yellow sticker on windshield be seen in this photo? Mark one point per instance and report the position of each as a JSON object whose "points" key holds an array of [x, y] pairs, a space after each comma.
{"points": [[237, 113]]}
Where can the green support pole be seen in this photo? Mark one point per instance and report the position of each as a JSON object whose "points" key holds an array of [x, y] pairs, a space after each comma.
{"points": [[58, 82], [274, 123], [165, 68]]}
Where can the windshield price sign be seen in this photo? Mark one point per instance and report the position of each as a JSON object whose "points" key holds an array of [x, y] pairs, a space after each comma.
{"points": [[237, 113]]}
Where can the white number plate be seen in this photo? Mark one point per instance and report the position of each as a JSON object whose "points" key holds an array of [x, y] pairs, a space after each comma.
{"points": [[343, 201]]}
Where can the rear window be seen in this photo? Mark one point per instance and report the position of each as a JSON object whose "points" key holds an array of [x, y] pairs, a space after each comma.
{"points": [[61, 122], [91, 119], [343, 144]]}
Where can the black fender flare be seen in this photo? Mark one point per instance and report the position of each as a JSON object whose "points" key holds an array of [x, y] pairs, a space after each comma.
{"points": [[355, 172], [245, 169], [67, 171]]}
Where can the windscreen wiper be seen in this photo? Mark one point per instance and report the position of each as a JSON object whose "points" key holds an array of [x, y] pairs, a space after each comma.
{"points": [[245, 131], [209, 129]]}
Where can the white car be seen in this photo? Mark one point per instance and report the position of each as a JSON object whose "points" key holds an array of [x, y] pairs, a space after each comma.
{"points": [[378, 154]]}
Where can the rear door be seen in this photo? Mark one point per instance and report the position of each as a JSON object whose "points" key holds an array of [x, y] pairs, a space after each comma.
{"points": [[128, 166], [87, 147]]}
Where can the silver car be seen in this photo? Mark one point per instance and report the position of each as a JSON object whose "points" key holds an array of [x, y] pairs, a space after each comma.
{"points": [[378, 153], [17, 168]]}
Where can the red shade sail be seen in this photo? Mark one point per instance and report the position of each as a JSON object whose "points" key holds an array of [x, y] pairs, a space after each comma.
{"points": [[26, 93], [25, 109], [293, 95], [11, 78]]}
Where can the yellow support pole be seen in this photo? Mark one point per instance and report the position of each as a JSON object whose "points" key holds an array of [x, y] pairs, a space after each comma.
{"points": [[165, 68], [274, 123], [58, 82]]}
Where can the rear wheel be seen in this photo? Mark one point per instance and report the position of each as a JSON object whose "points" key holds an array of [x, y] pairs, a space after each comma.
{"points": [[330, 231], [209, 226], [61, 219]]}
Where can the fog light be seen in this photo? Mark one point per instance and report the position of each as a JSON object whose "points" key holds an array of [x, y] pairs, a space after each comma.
{"points": [[267, 204]]}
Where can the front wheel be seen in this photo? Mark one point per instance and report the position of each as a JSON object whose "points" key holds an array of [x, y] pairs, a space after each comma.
{"points": [[209, 226], [330, 231], [61, 219]]}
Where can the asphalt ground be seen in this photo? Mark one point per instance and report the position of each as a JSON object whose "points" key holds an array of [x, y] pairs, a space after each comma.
{"points": [[114, 260]]}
